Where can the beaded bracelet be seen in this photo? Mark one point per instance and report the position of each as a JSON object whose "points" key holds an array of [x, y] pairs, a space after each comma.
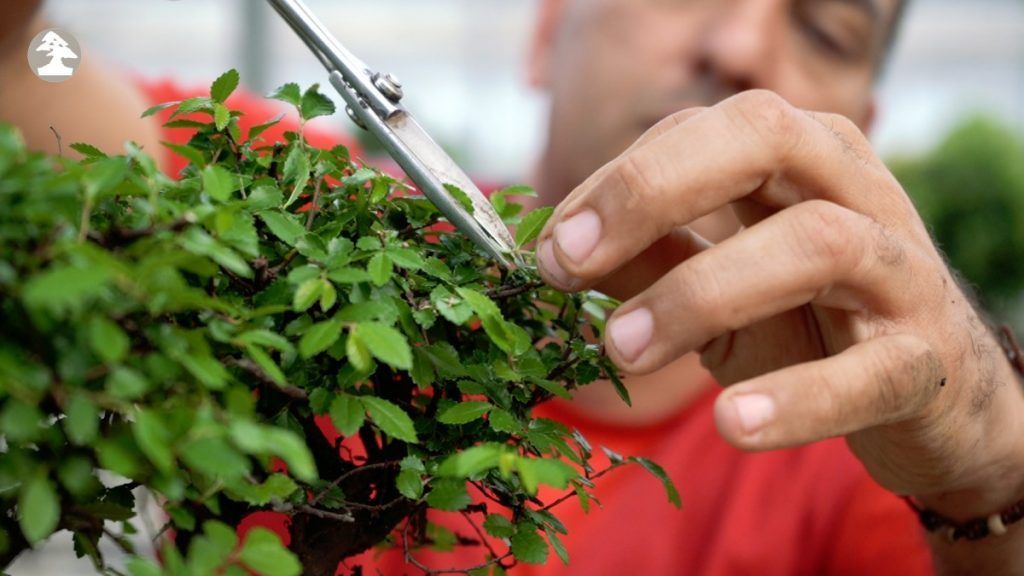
{"points": [[995, 524]]}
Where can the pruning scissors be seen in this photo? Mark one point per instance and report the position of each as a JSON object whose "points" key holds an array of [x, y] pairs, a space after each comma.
{"points": [[374, 103]]}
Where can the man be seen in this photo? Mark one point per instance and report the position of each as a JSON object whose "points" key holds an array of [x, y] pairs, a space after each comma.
{"points": [[829, 314], [771, 241]]}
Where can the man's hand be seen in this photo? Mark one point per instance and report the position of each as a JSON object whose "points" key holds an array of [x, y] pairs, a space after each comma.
{"points": [[831, 313]]}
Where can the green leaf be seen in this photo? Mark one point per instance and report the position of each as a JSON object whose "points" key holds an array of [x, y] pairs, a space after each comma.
{"points": [[556, 543], [613, 374], [267, 364], [471, 461], [223, 86], [555, 473], [221, 116], [455, 309], [307, 294], [255, 131], [357, 352], [409, 484], [218, 183], [448, 494], [464, 412], [267, 339], [380, 268], [659, 473], [532, 225], [347, 414], [88, 150], [263, 552], [499, 526], [502, 421], [159, 108], [38, 509], [283, 225], [214, 457], [82, 419], [153, 439], [289, 93], [552, 387], [391, 419], [189, 153], [460, 196], [319, 337], [60, 289], [527, 544], [315, 104], [386, 343], [126, 383], [296, 171]]}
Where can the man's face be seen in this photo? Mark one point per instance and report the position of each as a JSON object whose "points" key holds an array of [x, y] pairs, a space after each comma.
{"points": [[616, 67]]}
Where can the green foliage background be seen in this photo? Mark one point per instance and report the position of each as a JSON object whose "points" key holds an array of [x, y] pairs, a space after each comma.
{"points": [[970, 191], [184, 335]]}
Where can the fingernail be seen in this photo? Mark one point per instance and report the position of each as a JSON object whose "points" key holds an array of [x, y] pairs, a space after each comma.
{"points": [[550, 266], [631, 333], [577, 237], [755, 411]]}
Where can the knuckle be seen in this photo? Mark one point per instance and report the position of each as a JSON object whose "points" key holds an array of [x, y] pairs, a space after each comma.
{"points": [[828, 231], [770, 116], [637, 182], [906, 369]]}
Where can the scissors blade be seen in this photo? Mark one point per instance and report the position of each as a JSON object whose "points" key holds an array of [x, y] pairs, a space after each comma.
{"points": [[407, 130], [423, 160]]}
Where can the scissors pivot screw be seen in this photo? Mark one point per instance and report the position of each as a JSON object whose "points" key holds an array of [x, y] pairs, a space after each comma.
{"points": [[389, 86]]}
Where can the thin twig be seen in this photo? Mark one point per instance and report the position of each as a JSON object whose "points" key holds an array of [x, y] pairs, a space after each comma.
{"points": [[255, 371], [572, 493], [60, 145], [409, 559], [502, 293], [313, 207], [337, 481]]}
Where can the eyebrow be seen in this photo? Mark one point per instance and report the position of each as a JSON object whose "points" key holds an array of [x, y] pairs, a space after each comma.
{"points": [[869, 7]]}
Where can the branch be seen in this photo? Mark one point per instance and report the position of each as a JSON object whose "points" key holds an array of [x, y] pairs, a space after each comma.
{"points": [[337, 481], [251, 368], [506, 292]]}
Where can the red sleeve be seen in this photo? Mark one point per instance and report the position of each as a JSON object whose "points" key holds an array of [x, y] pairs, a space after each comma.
{"points": [[255, 110], [878, 535]]}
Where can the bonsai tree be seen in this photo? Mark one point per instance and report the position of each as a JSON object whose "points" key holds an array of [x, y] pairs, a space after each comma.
{"points": [[279, 328]]}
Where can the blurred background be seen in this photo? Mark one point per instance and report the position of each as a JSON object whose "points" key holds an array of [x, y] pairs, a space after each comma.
{"points": [[952, 104]]}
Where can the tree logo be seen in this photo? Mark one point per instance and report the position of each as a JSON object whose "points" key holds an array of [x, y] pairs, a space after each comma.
{"points": [[54, 55]]}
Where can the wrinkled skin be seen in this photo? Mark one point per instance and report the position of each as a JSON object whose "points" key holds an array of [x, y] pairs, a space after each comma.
{"points": [[754, 226]]}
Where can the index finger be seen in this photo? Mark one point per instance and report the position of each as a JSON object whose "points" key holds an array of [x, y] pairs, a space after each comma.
{"points": [[753, 145]]}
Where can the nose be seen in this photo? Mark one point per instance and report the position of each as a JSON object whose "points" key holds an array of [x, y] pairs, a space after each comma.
{"points": [[740, 42]]}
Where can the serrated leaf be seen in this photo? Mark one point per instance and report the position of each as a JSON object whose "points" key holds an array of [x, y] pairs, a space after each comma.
{"points": [[461, 197], [552, 387], [448, 494], [256, 131], [357, 352], [88, 150], [532, 225], [296, 172], [38, 509], [502, 421], [223, 86], [380, 268], [658, 472], [347, 413], [499, 526], [285, 226], [527, 544], [319, 337], [409, 484], [464, 412], [289, 93], [267, 364], [315, 104], [221, 116], [265, 338], [391, 419], [263, 552], [386, 344], [218, 183], [556, 543], [453, 308]]}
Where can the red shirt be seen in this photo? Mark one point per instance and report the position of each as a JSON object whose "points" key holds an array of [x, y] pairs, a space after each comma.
{"points": [[809, 510]]}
